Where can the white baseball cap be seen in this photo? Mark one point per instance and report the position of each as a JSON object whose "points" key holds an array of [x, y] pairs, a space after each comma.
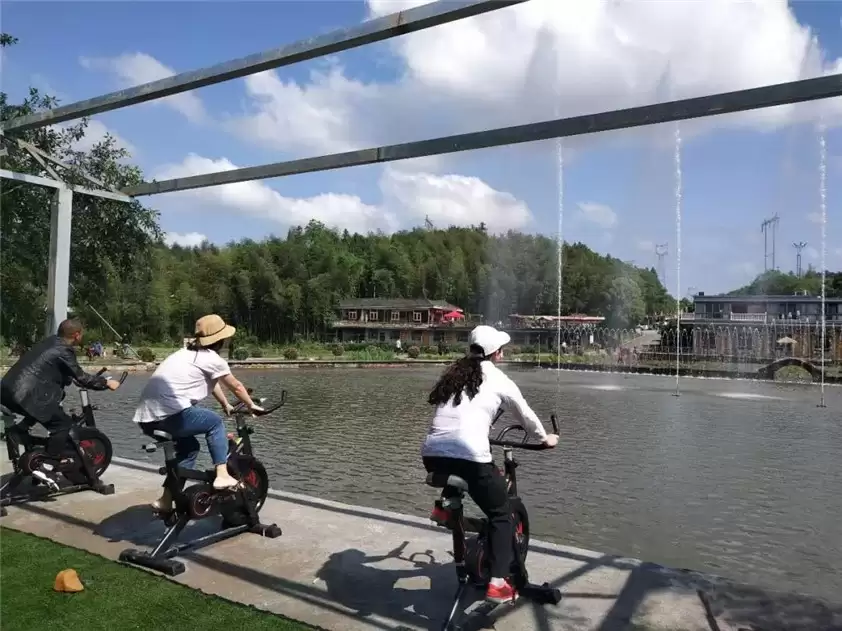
{"points": [[489, 339]]}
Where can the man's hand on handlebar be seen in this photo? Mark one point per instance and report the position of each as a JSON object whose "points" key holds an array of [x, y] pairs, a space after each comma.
{"points": [[551, 440], [112, 384], [256, 409]]}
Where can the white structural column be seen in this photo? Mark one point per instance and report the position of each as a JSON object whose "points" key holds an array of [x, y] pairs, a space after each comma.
{"points": [[61, 215]]}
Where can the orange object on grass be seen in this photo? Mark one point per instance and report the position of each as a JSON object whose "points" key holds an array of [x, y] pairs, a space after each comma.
{"points": [[68, 581]]}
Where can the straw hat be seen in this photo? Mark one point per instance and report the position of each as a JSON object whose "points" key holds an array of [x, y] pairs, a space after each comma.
{"points": [[211, 329]]}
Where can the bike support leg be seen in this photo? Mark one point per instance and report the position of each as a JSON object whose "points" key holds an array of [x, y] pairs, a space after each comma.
{"points": [[458, 536], [457, 600]]}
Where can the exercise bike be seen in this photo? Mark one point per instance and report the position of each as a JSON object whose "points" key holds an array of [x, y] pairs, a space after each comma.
{"points": [[238, 507], [471, 555], [81, 465]]}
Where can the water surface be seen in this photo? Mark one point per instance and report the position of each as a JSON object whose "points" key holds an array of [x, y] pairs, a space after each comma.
{"points": [[734, 477]]}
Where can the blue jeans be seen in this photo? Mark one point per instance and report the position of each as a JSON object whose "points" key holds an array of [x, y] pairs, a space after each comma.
{"points": [[185, 426]]}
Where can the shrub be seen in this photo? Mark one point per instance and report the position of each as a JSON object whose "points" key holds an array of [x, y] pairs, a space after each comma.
{"points": [[256, 351], [146, 355], [413, 352], [241, 353], [338, 350], [512, 350], [291, 353]]}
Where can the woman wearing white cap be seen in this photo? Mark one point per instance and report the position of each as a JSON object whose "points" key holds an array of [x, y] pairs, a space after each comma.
{"points": [[467, 398], [168, 402]]}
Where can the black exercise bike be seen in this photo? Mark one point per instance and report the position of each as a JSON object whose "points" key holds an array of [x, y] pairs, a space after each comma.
{"points": [[79, 468], [238, 507], [471, 555]]}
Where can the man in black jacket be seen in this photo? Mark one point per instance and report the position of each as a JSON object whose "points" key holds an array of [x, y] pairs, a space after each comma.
{"points": [[34, 386]]}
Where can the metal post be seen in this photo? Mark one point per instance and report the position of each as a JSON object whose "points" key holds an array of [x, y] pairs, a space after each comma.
{"points": [[59, 277]]}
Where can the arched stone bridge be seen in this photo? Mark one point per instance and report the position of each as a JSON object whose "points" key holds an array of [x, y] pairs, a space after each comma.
{"points": [[768, 371]]}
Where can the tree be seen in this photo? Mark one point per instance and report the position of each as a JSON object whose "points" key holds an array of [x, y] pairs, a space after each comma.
{"points": [[110, 240], [625, 304]]}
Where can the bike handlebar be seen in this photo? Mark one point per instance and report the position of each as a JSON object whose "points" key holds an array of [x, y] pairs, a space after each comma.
{"points": [[122, 378], [241, 409], [499, 442]]}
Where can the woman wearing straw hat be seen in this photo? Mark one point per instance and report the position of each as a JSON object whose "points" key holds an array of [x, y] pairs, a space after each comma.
{"points": [[168, 402]]}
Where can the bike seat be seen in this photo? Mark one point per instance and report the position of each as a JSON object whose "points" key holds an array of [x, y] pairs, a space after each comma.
{"points": [[441, 480], [161, 436]]}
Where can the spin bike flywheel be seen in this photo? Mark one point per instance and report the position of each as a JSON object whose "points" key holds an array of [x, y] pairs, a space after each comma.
{"points": [[95, 445], [252, 474]]}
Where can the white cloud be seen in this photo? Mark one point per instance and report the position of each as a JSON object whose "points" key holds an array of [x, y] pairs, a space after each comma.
{"points": [[599, 214], [815, 217], [546, 58], [813, 253], [453, 200], [534, 61], [257, 199], [138, 68], [407, 199], [186, 240]]}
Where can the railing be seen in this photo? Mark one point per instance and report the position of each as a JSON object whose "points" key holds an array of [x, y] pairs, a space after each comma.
{"points": [[748, 317], [403, 324]]}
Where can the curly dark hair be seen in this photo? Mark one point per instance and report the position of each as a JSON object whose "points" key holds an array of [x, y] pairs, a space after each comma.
{"points": [[464, 375]]}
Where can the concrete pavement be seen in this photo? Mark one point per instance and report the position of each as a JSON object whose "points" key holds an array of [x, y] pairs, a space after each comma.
{"points": [[355, 568]]}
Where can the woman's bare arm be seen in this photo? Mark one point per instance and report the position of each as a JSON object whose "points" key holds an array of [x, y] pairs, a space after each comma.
{"points": [[219, 395], [239, 390]]}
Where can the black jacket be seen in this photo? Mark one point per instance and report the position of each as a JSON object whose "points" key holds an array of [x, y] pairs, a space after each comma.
{"points": [[35, 384]]}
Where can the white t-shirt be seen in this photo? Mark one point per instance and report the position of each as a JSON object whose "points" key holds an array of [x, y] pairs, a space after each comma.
{"points": [[462, 431], [183, 377]]}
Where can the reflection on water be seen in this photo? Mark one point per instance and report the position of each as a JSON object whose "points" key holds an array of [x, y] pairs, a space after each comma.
{"points": [[739, 478]]}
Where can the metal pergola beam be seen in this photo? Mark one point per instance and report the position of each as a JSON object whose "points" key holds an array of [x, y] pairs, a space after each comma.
{"points": [[43, 181], [369, 32], [725, 103], [61, 219]]}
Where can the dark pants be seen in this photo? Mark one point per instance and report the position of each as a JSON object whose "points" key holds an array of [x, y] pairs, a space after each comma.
{"points": [[487, 488], [58, 426]]}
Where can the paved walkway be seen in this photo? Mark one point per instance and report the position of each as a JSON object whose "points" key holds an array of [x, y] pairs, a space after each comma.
{"points": [[354, 568]]}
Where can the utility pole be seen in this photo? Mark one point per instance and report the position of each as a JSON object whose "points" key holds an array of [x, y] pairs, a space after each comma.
{"points": [[428, 225], [764, 228], [661, 252], [798, 247]]}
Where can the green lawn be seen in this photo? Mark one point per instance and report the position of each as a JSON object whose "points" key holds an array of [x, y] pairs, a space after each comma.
{"points": [[115, 596]]}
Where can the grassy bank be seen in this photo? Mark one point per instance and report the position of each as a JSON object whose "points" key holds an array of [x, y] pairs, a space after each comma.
{"points": [[115, 596]]}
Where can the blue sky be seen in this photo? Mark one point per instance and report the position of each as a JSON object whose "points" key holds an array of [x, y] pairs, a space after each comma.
{"points": [[516, 65]]}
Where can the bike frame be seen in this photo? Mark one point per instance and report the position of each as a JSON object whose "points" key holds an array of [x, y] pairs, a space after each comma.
{"points": [[18, 435], [161, 557]]}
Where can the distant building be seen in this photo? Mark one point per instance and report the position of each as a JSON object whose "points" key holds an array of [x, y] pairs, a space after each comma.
{"points": [[417, 321], [764, 327], [423, 322]]}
